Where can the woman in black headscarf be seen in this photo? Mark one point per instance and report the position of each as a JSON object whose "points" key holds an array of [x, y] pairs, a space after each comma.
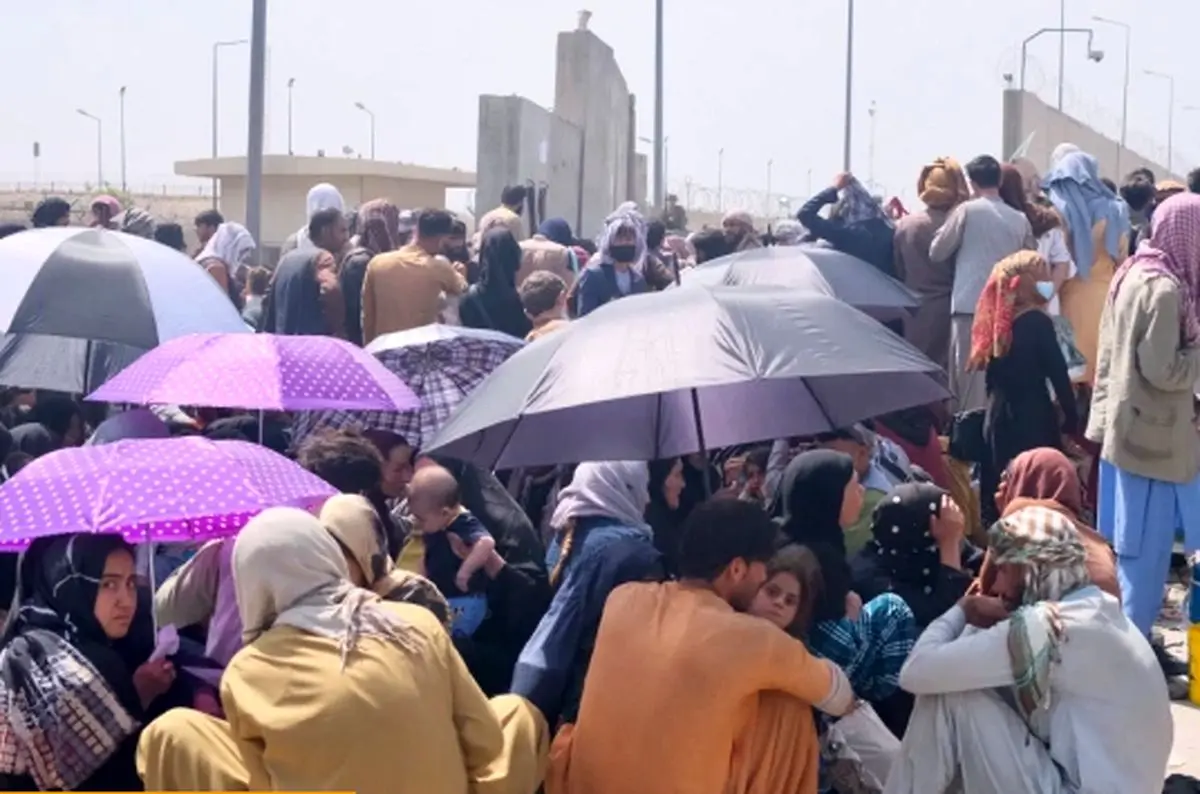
{"points": [[916, 552], [821, 497], [493, 302], [664, 513], [64, 675], [52, 211]]}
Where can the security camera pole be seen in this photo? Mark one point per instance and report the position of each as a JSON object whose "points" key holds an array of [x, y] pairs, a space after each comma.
{"points": [[1092, 53]]}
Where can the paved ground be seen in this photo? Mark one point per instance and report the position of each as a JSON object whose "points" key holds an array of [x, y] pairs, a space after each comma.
{"points": [[1185, 755]]}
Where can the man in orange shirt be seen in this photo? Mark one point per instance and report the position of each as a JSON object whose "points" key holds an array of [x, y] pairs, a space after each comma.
{"points": [[405, 289], [685, 693]]}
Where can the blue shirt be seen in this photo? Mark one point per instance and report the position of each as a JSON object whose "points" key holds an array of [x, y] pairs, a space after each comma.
{"points": [[442, 564]]}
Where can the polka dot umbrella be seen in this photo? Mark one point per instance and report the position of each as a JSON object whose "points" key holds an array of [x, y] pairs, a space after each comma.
{"points": [[264, 372], [152, 490]]}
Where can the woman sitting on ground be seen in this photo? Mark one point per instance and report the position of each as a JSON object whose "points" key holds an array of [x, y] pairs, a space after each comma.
{"points": [[74, 705], [821, 497], [337, 690], [1052, 690]]}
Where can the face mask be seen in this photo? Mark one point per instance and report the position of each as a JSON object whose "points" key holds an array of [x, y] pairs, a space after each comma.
{"points": [[623, 253], [1046, 289]]}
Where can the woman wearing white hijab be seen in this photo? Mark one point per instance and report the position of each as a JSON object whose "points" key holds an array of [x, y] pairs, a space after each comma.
{"points": [[337, 690], [323, 196], [226, 254], [602, 541]]}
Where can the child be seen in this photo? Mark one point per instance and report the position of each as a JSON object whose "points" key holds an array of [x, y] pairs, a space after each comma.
{"points": [[544, 298], [433, 502]]}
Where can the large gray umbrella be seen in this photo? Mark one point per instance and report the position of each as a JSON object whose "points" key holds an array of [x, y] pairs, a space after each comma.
{"points": [[665, 374], [812, 267]]}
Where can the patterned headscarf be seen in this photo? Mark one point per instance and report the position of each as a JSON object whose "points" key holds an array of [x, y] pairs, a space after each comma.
{"points": [[1047, 546], [943, 184], [1009, 293], [903, 538], [138, 222], [1173, 250], [857, 205], [379, 225]]}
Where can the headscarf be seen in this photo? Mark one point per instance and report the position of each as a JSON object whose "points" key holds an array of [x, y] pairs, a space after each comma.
{"points": [[231, 243], [323, 196], [1074, 187], [1061, 151], [1173, 250], [613, 225], [355, 524], [289, 571], [495, 296], [1012, 190], [812, 491], [67, 691], [557, 230], [903, 540], [619, 490], [942, 184], [1045, 473], [379, 226], [1044, 542], [1010, 291], [857, 205], [137, 222], [1167, 188], [113, 206], [49, 211], [788, 232]]}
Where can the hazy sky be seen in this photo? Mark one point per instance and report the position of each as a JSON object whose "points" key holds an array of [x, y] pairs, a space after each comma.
{"points": [[764, 79]]}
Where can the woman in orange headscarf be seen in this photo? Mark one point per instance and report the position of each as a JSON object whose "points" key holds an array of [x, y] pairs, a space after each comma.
{"points": [[1014, 342], [1047, 478]]}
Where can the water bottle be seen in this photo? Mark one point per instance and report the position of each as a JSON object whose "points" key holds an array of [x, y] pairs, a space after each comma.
{"points": [[1193, 637]]}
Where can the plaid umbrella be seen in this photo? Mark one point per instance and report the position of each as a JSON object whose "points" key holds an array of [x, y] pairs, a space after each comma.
{"points": [[442, 364]]}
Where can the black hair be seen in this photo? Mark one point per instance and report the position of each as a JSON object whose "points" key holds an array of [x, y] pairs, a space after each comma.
{"points": [[49, 211], [54, 412], [720, 531], [759, 457], [1193, 180], [587, 245], [344, 459], [513, 195], [1108, 183], [434, 223], [258, 280], [385, 441], [9, 229], [1138, 192], [458, 228], [656, 232], [1144, 173], [984, 171], [209, 218], [322, 220], [710, 244], [170, 235]]}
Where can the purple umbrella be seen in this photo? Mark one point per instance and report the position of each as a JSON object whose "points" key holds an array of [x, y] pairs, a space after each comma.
{"points": [[264, 372], [152, 490]]}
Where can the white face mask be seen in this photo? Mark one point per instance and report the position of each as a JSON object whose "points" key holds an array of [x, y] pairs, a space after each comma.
{"points": [[1046, 289]]}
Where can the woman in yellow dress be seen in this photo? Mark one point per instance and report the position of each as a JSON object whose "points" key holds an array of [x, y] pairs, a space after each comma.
{"points": [[1097, 225], [338, 690]]}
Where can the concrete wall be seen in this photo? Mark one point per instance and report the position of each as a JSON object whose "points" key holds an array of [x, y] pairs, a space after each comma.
{"points": [[520, 141], [1026, 115], [591, 93]]}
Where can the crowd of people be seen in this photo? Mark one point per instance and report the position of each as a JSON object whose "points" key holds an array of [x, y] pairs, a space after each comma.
{"points": [[950, 597]]}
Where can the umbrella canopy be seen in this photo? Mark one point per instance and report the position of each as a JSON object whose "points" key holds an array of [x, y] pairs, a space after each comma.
{"points": [[658, 375], [442, 364], [152, 490], [811, 267], [80, 304], [264, 372]]}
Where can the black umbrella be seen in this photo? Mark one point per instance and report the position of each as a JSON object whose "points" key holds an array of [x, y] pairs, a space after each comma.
{"points": [[80, 304], [665, 374], [812, 267]]}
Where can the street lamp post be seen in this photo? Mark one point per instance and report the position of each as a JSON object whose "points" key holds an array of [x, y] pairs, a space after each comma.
{"points": [[770, 165], [216, 49], [660, 143], [99, 145], [846, 136], [1092, 53], [1170, 117], [1062, 50], [290, 85], [721, 179], [1125, 88], [665, 157], [255, 125], [371, 116], [122, 134]]}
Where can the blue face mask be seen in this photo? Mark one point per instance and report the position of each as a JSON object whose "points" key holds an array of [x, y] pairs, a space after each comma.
{"points": [[1046, 289]]}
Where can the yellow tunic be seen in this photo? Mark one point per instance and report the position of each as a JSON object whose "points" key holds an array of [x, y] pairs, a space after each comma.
{"points": [[1082, 299], [390, 722]]}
